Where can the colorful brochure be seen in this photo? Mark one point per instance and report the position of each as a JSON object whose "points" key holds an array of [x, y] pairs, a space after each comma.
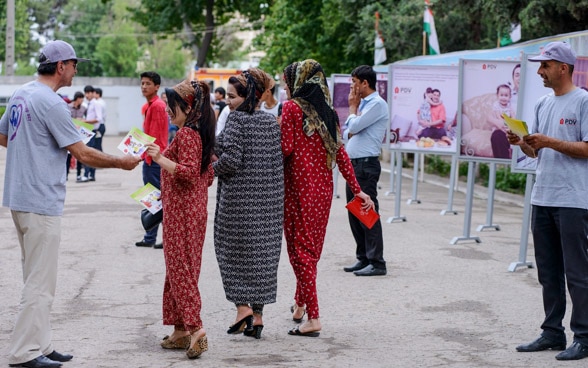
{"points": [[85, 130], [518, 127], [135, 142], [148, 196]]}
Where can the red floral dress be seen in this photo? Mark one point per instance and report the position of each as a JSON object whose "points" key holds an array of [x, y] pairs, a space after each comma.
{"points": [[308, 195], [184, 196]]}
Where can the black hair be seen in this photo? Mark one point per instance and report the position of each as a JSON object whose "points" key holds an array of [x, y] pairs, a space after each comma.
{"points": [[367, 73], [45, 68], [98, 90], [155, 78], [89, 89], [77, 95], [222, 91], [503, 86], [203, 121]]}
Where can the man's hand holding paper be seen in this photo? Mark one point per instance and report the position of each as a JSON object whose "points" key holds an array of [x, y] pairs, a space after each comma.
{"points": [[518, 127]]}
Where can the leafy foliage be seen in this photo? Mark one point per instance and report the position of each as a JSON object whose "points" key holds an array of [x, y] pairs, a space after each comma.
{"points": [[24, 44]]}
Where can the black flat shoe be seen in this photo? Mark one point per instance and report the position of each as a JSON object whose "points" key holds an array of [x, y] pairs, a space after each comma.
{"points": [[296, 332], [255, 331], [576, 351], [542, 343], [297, 320], [39, 362], [58, 357], [358, 265], [238, 327]]}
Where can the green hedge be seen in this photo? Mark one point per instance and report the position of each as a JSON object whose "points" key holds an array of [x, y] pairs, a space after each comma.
{"points": [[506, 180]]}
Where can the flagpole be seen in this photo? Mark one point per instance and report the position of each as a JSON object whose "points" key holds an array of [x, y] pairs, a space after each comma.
{"points": [[424, 43]]}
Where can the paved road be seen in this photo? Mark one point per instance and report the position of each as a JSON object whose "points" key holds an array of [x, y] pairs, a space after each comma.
{"points": [[440, 305]]}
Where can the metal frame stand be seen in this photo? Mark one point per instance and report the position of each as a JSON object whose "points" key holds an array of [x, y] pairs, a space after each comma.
{"points": [[490, 202], [335, 181], [415, 180], [398, 174], [452, 180], [468, 208], [392, 172], [522, 262]]}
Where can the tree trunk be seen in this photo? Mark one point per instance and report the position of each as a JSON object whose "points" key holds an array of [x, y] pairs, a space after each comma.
{"points": [[209, 32]]}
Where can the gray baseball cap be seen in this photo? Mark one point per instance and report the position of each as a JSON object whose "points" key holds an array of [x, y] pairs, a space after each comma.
{"points": [[558, 51], [59, 50]]}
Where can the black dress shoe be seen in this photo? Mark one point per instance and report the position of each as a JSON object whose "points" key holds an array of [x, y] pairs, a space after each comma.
{"points": [[158, 246], [58, 357], [370, 270], [144, 244], [39, 362], [355, 267], [542, 343], [574, 352]]}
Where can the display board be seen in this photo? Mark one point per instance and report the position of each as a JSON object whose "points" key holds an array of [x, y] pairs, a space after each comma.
{"points": [[340, 87], [423, 105], [487, 90]]}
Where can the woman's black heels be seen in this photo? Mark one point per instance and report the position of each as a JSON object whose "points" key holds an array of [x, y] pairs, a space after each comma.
{"points": [[239, 327], [297, 320], [254, 331]]}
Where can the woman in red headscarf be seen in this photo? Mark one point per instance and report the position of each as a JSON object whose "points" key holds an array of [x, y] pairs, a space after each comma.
{"points": [[186, 174]]}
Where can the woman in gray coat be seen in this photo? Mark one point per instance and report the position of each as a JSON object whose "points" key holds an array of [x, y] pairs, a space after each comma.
{"points": [[250, 202]]}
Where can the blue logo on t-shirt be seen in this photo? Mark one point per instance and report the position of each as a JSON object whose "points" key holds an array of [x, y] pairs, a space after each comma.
{"points": [[15, 117]]}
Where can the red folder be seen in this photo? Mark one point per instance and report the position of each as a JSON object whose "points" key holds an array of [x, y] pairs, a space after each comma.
{"points": [[368, 218]]}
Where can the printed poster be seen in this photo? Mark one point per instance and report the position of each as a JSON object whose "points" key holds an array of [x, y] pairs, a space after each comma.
{"points": [[489, 89], [423, 106]]}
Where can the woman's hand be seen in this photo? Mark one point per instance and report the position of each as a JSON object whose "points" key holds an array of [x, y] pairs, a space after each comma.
{"points": [[367, 201], [154, 151]]}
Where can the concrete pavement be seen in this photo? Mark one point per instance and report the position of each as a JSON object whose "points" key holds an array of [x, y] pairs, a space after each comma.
{"points": [[440, 305]]}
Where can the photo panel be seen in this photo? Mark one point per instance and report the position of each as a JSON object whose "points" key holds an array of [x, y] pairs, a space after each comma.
{"points": [[488, 89], [532, 89], [423, 104], [340, 87]]}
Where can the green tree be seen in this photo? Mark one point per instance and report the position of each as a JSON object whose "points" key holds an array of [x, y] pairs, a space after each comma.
{"points": [[167, 57], [340, 33], [118, 53], [195, 22], [25, 47], [80, 24]]}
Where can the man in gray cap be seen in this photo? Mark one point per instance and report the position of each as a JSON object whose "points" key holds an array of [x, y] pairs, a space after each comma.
{"points": [[37, 131], [560, 201]]}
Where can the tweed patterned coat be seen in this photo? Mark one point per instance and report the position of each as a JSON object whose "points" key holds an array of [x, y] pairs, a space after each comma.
{"points": [[249, 207]]}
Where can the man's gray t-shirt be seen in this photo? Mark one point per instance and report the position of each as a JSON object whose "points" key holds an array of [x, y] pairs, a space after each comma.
{"points": [[38, 126], [562, 181]]}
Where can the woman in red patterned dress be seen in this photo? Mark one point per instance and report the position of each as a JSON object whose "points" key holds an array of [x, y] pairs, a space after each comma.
{"points": [[311, 144], [186, 174]]}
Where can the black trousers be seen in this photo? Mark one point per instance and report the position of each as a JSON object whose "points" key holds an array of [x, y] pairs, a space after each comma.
{"points": [[369, 242], [561, 252]]}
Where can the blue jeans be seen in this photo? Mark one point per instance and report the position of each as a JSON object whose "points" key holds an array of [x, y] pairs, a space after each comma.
{"points": [[95, 142], [151, 174]]}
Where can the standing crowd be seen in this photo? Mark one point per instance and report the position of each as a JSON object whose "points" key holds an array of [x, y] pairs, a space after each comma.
{"points": [[274, 168]]}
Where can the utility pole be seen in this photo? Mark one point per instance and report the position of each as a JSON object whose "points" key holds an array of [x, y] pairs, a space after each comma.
{"points": [[9, 62]]}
